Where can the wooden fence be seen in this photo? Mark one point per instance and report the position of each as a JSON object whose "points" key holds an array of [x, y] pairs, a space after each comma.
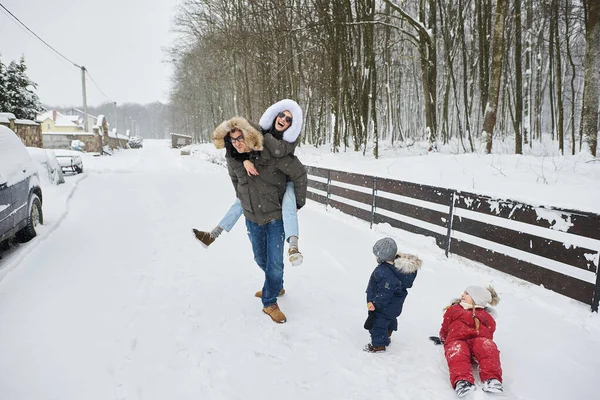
{"points": [[547, 246]]}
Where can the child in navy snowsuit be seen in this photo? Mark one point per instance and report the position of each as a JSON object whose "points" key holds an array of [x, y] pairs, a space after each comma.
{"points": [[387, 290]]}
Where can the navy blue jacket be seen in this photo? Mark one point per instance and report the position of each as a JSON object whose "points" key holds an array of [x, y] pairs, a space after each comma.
{"points": [[387, 288]]}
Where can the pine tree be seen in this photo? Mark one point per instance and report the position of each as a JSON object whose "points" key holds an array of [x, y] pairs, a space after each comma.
{"points": [[22, 101], [3, 90]]}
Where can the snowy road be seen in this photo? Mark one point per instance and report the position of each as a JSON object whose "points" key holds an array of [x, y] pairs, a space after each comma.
{"points": [[120, 302]]}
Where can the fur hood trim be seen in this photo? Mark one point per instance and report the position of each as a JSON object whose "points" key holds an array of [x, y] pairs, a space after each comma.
{"points": [[291, 133], [252, 137], [407, 263]]}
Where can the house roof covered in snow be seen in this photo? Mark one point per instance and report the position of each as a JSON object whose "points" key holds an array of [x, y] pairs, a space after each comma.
{"points": [[7, 115], [61, 120], [25, 122]]}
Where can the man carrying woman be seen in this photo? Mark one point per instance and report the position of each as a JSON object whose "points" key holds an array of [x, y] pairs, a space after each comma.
{"points": [[281, 124], [260, 195]]}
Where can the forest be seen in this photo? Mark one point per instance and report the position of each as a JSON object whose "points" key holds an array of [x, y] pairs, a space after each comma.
{"points": [[366, 71]]}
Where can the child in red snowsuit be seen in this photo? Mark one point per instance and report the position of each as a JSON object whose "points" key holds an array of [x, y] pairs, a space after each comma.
{"points": [[468, 332]]}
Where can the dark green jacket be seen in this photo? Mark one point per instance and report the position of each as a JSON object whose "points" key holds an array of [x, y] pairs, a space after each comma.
{"points": [[261, 195]]}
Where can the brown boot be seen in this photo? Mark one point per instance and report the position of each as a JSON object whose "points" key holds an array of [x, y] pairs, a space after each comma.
{"points": [[295, 256], [275, 313], [259, 293], [203, 237], [369, 348]]}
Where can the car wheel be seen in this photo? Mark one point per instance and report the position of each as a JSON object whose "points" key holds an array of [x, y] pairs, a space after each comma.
{"points": [[35, 218]]}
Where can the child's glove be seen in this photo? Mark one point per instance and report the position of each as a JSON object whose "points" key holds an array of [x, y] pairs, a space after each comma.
{"points": [[370, 320], [436, 340]]}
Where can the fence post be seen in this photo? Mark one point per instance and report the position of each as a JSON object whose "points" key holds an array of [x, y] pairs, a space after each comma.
{"points": [[596, 296], [449, 222], [373, 201], [328, 184]]}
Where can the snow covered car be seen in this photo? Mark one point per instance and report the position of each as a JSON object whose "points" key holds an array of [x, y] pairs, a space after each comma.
{"points": [[20, 191], [136, 142], [70, 163]]}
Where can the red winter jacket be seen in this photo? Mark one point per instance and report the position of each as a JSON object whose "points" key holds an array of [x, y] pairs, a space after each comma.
{"points": [[459, 324]]}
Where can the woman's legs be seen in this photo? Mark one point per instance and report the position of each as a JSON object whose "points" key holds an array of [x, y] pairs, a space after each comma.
{"points": [[231, 217], [290, 215], [290, 224]]}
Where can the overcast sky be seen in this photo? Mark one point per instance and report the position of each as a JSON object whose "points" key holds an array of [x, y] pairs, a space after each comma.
{"points": [[120, 42]]}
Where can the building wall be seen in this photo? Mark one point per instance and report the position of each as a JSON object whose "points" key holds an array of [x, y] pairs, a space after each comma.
{"points": [[54, 141], [30, 133]]}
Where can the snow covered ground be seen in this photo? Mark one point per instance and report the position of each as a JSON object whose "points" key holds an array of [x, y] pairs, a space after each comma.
{"points": [[116, 300]]}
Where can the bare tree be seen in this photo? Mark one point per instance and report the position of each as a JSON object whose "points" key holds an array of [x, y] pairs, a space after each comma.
{"points": [[489, 120], [591, 91]]}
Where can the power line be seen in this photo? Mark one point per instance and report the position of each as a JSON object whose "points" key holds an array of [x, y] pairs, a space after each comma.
{"points": [[98, 87], [34, 34], [56, 51]]}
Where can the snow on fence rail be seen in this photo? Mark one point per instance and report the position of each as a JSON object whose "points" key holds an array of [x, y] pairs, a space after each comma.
{"points": [[547, 246]]}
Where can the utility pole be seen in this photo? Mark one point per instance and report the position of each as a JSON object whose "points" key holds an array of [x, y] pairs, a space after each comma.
{"points": [[116, 118], [85, 116]]}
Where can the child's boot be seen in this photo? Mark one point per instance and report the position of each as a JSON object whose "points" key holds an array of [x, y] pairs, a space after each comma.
{"points": [[369, 348], [463, 388], [295, 256], [492, 386]]}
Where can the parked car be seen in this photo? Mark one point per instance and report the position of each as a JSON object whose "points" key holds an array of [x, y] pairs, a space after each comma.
{"points": [[49, 169], [20, 191], [69, 162], [136, 142]]}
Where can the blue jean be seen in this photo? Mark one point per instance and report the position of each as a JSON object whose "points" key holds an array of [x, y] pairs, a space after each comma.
{"points": [[267, 245], [288, 205]]}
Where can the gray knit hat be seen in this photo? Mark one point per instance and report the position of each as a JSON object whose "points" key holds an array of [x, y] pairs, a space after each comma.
{"points": [[385, 249], [481, 296]]}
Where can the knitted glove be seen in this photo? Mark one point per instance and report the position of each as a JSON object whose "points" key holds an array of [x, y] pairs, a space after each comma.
{"points": [[370, 321]]}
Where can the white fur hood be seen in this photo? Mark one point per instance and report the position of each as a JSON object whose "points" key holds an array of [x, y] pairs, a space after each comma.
{"points": [[291, 133], [407, 263]]}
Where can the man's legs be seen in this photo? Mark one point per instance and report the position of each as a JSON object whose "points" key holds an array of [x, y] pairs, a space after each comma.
{"points": [[275, 238], [258, 239]]}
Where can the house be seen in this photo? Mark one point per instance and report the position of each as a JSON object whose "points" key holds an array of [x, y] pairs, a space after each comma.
{"points": [[59, 130], [28, 131], [53, 121]]}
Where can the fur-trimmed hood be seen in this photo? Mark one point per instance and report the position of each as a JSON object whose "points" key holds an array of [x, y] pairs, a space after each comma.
{"points": [[407, 263], [291, 134], [252, 137]]}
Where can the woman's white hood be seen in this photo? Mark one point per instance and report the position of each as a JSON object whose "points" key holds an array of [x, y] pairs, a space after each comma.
{"points": [[291, 133]]}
